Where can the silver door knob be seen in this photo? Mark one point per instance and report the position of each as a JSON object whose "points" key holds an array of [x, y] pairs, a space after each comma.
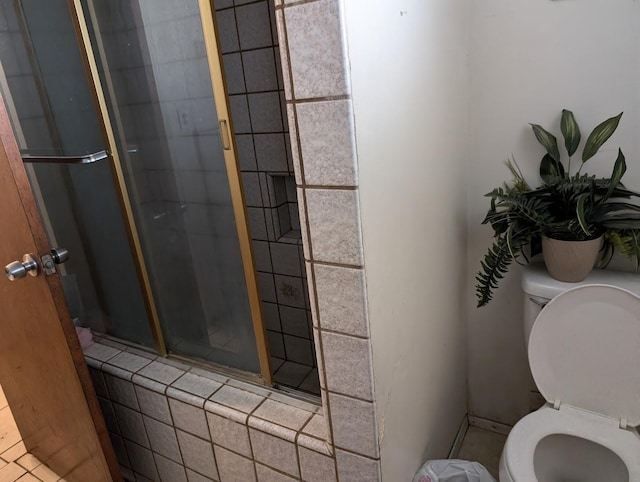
{"points": [[60, 255], [17, 270]]}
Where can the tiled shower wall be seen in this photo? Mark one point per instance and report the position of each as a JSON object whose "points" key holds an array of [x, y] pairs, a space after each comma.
{"points": [[204, 428], [251, 58]]}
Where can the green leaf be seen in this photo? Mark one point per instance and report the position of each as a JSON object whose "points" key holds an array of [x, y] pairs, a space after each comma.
{"points": [[580, 213], [619, 169], [599, 136], [550, 169], [570, 131], [548, 141]]}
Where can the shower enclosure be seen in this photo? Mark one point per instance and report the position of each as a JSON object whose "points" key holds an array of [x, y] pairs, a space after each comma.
{"points": [[122, 113]]}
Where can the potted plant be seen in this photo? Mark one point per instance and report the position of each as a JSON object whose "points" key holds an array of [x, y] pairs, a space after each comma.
{"points": [[575, 215]]}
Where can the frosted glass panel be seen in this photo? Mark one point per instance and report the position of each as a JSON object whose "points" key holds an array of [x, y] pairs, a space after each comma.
{"points": [[154, 66]]}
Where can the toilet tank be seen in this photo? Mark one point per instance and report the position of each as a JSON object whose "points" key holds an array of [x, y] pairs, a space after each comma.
{"points": [[539, 288]]}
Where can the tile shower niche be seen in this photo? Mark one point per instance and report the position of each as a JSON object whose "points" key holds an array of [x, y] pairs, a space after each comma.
{"points": [[251, 59]]}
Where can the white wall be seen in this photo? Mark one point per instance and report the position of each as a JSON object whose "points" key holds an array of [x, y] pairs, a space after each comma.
{"points": [[410, 90], [528, 60]]}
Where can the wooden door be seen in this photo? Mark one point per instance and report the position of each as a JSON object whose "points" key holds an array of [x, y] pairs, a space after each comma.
{"points": [[42, 368]]}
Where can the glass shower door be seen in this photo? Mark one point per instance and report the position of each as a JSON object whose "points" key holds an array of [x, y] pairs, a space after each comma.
{"points": [[155, 74]]}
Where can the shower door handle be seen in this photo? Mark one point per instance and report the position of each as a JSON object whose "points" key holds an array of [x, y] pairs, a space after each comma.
{"points": [[16, 269]]}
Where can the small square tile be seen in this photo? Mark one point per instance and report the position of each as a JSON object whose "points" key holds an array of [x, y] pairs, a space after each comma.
{"points": [[264, 109], [28, 461], [260, 71], [274, 451], [317, 427], [131, 425], [327, 143], [240, 114], [45, 474], [254, 27], [233, 467], [120, 449], [232, 435], [196, 477], [98, 383], [161, 372], [246, 152], [266, 474], [12, 472], [237, 399], [169, 470], [198, 455], [345, 351], [334, 221], [311, 383], [14, 452], [109, 415], [354, 468], [30, 478], [282, 414], [354, 425], [271, 316], [153, 404], [162, 438], [141, 460], [294, 321], [234, 74], [316, 51], [285, 259], [316, 467], [258, 227], [129, 361], [196, 385], [121, 391], [291, 374], [227, 31], [276, 344], [341, 299], [299, 350], [189, 418], [271, 154], [101, 352], [290, 291], [262, 256], [251, 189]]}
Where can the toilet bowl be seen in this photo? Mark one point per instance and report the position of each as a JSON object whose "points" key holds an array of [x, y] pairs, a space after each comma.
{"points": [[584, 352]]}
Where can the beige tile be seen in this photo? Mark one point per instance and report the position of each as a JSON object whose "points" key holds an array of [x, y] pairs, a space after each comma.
{"points": [[9, 435], [142, 460], [316, 51], [11, 472], [169, 470], [354, 426], [334, 221], [30, 478], [316, 467], [196, 385], [101, 352], [189, 418], [237, 399], [266, 474], [121, 391], [326, 139], [162, 438], [198, 454], [229, 434], [317, 427], [14, 452], [196, 477], [284, 59], [161, 372], [354, 468], [153, 404], [282, 414], [45, 474], [275, 452], [131, 425], [340, 352], [233, 467], [483, 446], [28, 461], [341, 299], [129, 361], [302, 213]]}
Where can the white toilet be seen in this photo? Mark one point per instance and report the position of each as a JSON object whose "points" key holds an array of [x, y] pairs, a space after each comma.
{"points": [[584, 352]]}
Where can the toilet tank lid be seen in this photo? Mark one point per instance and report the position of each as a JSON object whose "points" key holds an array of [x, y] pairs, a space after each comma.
{"points": [[537, 282]]}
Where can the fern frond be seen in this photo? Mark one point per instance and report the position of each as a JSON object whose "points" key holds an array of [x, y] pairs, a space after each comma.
{"points": [[493, 268]]}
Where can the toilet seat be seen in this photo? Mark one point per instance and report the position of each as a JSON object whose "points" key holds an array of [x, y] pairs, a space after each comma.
{"points": [[584, 350], [518, 452]]}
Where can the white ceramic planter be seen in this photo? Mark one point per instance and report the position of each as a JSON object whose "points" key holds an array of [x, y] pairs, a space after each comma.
{"points": [[570, 261]]}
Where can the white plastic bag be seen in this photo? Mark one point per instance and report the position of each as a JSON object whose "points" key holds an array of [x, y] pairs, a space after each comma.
{"points": [[452, 470]]}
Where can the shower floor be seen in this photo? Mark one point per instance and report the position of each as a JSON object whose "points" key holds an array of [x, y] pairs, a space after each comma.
{"points": [[296, 375], [15, 463]]}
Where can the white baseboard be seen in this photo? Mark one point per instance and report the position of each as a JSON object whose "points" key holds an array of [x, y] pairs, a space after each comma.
{"points": [[457, 443], [490, 425]]}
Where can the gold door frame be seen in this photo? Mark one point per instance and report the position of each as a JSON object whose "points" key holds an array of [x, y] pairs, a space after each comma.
{"points": [[214, 58]]}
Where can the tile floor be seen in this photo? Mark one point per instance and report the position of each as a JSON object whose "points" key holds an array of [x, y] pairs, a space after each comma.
{"points": [[483, 446], [296, 375], [15, 463]]}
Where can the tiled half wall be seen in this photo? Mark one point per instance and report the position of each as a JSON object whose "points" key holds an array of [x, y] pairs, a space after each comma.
{"points": [[193, 425]]}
